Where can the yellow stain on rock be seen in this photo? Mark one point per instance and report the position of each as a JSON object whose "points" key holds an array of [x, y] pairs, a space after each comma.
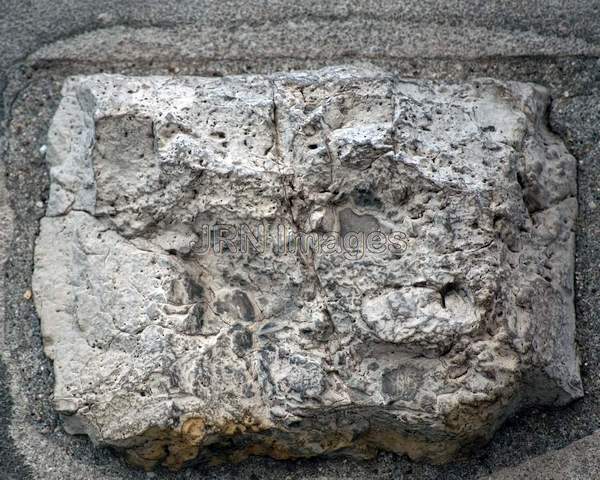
{"points": [[175, 447]]}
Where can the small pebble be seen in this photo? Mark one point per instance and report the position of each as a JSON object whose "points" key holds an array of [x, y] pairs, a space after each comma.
{"points": [[28, 294], [105, 18]]}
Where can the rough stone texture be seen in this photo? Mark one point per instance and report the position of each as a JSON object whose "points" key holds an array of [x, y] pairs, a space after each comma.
{"points": [[169, 352], [33, 443]]}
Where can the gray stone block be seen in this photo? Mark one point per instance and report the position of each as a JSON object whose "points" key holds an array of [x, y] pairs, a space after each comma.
{"points": [[409, 283]]}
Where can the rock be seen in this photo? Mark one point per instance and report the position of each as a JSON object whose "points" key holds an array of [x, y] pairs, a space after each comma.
{"points": [[304, 263]]}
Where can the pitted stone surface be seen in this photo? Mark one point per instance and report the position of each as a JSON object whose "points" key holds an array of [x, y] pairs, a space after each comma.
{"points": [[433, 298]]}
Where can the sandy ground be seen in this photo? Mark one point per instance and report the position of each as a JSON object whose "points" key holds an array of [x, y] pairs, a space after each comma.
{"points": [[553, 43]]}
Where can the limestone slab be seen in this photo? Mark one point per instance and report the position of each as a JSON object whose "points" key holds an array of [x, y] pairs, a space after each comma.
{"points": [[304, 263]]}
